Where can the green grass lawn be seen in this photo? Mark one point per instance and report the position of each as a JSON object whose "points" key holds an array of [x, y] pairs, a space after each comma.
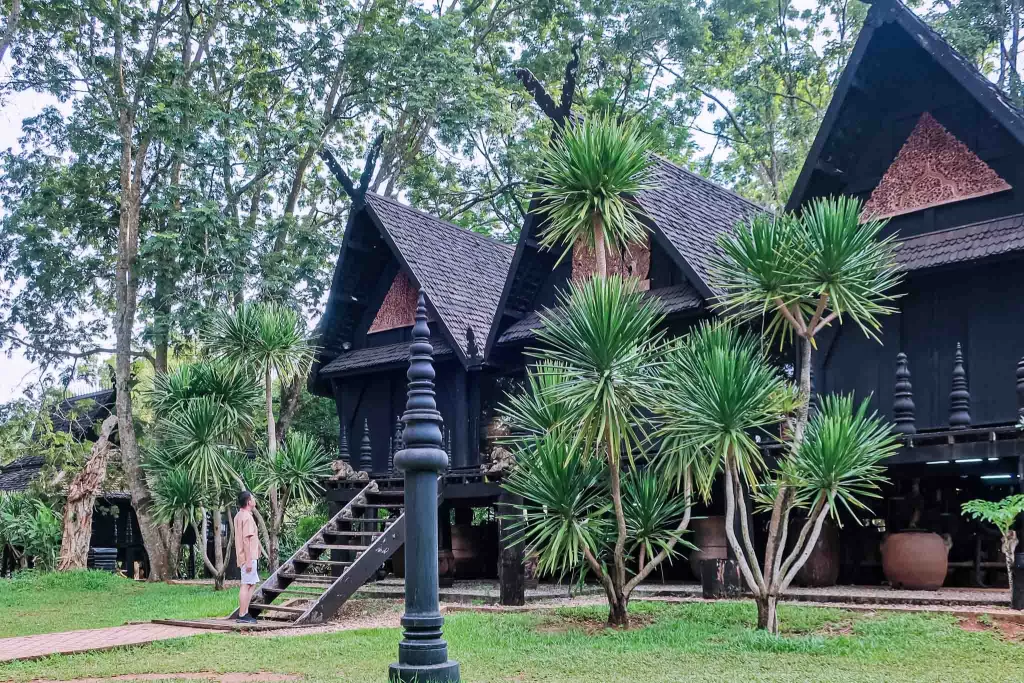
{"points": [[672, 642], [41, 603]]}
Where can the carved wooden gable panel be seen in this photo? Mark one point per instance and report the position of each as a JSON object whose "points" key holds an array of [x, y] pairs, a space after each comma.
{"points": [[399, 306], [635, 262], [931, 169]]}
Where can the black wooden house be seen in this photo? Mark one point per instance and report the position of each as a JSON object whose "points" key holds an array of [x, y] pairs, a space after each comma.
{"points": [[927, 141], [913, 129]]}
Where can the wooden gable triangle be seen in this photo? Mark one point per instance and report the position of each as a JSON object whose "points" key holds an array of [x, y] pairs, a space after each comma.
{"points": [[931, 169], [399, 306]]}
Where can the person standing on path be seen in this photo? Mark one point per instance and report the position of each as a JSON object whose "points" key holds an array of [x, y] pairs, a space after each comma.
{"points": [[247, 552]]}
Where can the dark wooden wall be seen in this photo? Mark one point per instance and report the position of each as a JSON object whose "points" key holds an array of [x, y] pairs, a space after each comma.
{"points": [[380, 397], [980, 306]]}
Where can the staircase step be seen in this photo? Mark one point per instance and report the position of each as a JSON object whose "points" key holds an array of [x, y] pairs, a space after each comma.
{"points": [[332, 546], [310, 578], [296, 591], [331, 563], [365, 520], [377, 506], [354, 533], [387, 494], [277, 608], [287, 618]]}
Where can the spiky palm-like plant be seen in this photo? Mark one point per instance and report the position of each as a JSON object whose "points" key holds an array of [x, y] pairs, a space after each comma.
{"points": [[180, 497], [271, 339], [602, 339], [205, 413], [802, 273], [656, 517], [585, 183], [1002, 515], [566, 503], [530, 412], [293, 472], [719, 391]]}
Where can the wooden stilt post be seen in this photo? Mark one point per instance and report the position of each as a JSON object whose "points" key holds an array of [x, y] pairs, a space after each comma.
{"points": [[512, 553]]}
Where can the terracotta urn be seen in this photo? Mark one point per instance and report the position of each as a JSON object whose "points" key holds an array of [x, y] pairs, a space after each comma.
{"points": [[916, 560], [822, 566], [709, 537]]}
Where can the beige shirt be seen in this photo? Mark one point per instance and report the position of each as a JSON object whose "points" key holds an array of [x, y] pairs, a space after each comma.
{"points": [[247, 543]]}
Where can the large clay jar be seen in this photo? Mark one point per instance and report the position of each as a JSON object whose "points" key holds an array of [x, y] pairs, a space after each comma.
{"points": [[709, 537], [822, 566], [916, 560]]}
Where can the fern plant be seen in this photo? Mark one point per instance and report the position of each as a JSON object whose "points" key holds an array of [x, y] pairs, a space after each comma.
{"points": [[1002, 515]]}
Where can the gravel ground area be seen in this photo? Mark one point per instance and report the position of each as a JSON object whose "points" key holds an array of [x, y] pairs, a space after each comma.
{"points": [[486, 592], [355, 614]]}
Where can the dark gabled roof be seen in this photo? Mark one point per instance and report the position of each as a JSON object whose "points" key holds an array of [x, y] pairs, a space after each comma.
{"points": [[373, 357], [78, 415], [462, 272], [19, 473], [687, 214], [965, 243], [674, 299], [959, 68], [692, 212]]}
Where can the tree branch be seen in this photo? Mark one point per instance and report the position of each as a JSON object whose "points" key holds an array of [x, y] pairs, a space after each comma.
{"points": [[65, 353], [808, 548], [730, 533]]}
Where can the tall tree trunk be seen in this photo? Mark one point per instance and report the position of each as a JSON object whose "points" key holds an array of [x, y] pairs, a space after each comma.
{"points": [[77, 531], [290, 394], [218, 551], [768, 614], [273, 542], [154, 535], [600, 249]]}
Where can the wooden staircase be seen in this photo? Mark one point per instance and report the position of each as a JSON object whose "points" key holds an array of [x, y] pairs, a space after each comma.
{"points": [[313, 584]]}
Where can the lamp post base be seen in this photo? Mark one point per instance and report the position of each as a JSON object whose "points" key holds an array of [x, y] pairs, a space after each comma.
{"points": [[446, 672]]}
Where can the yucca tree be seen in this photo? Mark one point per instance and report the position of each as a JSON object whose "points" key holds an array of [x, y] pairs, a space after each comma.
{"points": [[805, 272], [568, 517], [204, 414], [268, 338], [271, 340], [532, 412], [177, 494], [566, 503], [802, 274], [598, 351], [585, 185], [294, 472], [1003, 516], [719, 392]]}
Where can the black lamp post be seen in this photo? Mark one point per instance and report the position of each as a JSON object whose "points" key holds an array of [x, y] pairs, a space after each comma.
{"points": [[423, 652]]}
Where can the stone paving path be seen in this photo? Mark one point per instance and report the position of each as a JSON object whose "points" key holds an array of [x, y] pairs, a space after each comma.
{"points": [[70, 642]]}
